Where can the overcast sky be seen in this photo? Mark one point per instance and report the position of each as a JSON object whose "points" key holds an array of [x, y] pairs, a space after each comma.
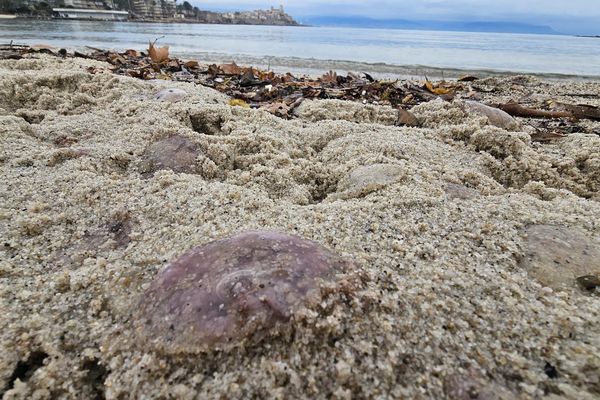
{"points": [[569, 16]]}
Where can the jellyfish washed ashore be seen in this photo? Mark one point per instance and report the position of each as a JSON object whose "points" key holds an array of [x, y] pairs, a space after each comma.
{"points": [[233, 291]]}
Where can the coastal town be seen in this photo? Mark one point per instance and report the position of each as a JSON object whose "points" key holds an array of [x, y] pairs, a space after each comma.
{"points": [[140, 10]]}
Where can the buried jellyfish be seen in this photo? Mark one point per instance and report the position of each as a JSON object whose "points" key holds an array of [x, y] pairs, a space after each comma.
{"points": [[233, 291]]}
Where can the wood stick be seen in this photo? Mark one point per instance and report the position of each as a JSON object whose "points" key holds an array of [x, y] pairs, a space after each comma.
{"points": [[580, 111], [517, 110], [590, 95]]}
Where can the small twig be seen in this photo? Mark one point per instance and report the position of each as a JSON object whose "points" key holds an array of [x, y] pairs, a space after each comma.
{"points": [[95, 49], [157, 39], [11, 45], [590, 95], [517, 110]]}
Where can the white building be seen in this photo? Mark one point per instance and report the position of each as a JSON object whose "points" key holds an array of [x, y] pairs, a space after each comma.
{"points": [[103, 15]]}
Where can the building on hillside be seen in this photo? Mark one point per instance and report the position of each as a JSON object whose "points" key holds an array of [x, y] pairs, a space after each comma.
{"points": [[153, 9], [101, 15], [86, 4], [272, 16]]}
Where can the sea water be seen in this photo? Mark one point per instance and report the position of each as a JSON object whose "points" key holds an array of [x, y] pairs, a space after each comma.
{"points": [[323, 47]]}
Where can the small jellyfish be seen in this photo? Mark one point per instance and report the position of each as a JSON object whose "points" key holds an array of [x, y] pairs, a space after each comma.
{"points": [[557, 255], [495, 116], [368, 179], [460, 192], [235, 290], [176, 153], [171, 95]]}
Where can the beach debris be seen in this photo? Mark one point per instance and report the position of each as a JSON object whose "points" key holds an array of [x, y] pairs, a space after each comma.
{"points": [[545, 136], [280, 94], [467, 78], [549, 130], [550, 371], [406, 118], [171, 95], [579, 111], [495, 116], [120, 228], [65, 141], [238, 103], [235, 291], [279, 109], [460, 192], [557, 255], [176, 153], [330, 77], [440, 88], [13, 55], [473, 385], [225, 69], [367, 179], [158, 54], [553, 120], [191, 64], [270, 91], [589, 282], [517, 110], [112, 235], [117, 59], [183, 75], [42, 47], [133, 53]]}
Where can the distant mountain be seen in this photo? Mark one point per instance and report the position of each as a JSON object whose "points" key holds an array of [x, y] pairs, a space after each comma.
{"points": [[470, 26]]}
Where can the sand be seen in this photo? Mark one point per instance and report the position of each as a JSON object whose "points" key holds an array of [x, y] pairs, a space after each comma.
{"points": [[438, 219]]}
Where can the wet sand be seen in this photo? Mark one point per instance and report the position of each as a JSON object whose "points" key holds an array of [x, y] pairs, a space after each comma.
{"points": [[455, 227]]}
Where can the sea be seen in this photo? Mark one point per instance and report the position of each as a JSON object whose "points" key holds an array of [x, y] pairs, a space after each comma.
{"points": [[410, 53]]}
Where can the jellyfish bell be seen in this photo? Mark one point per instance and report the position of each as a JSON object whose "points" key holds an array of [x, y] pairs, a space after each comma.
{"points": [[235, 291]]}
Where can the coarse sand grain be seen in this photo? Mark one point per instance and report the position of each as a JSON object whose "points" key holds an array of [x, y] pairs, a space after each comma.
{"points": [[437, 218]]}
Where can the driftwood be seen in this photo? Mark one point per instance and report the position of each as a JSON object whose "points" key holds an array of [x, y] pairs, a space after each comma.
{"points": [[517, 110], [560, 110], [580, 111]]}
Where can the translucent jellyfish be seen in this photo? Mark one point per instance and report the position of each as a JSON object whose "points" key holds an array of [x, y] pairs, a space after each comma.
{"points": [[233, 291], [368, 179], [171, 95], [176, 153], [494, 115], [460, 192], [558, 256]]}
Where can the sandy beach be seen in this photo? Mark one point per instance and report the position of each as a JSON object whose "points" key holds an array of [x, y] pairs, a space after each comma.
{"points": [[469, 239]]}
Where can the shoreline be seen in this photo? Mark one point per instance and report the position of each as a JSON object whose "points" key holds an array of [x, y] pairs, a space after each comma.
{"points": [[145, 21], [316, 67], [313, 67]]}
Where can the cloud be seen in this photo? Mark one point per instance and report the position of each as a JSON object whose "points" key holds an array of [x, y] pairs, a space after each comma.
{"points": [[423, 7], [542, 12]]}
